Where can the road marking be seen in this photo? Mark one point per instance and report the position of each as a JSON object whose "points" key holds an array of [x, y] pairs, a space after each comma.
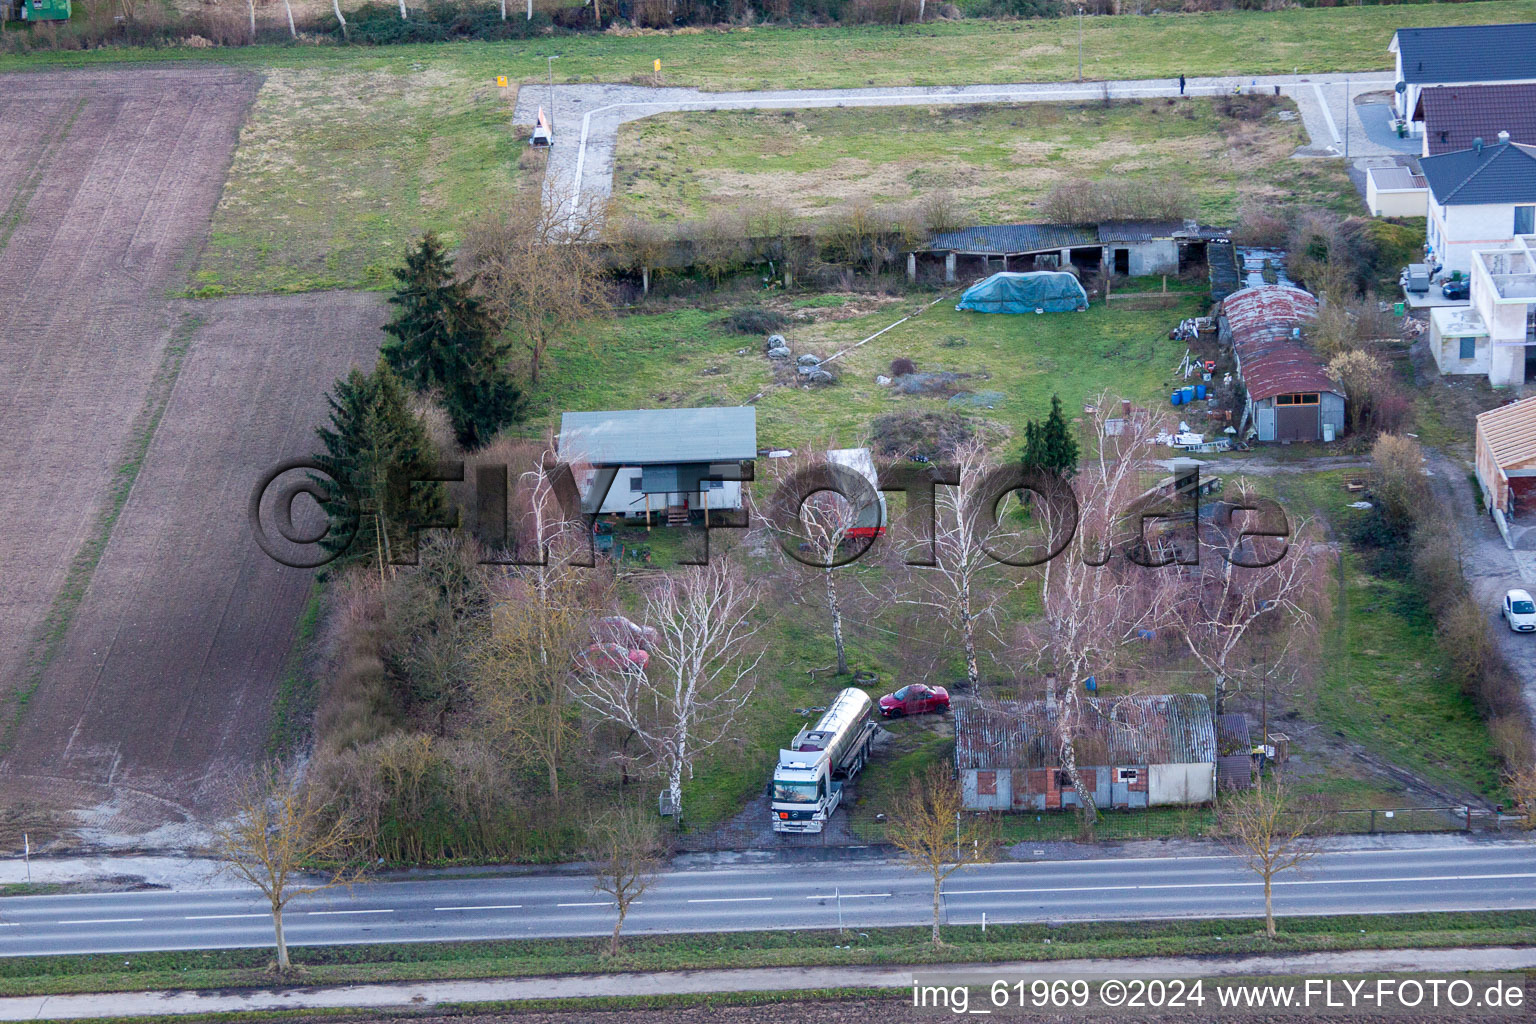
{"points": [[598, 903], [498, 906], [323, 913], [106, 920], [1257, 882], [219, 917], [735, 899], [850, 896], [1322, 101]]}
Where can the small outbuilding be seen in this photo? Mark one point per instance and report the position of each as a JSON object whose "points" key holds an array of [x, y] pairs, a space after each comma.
{"points": [[1050, 291], [1132, 752], [1506, 458], [659, 461], [1290, 396]]}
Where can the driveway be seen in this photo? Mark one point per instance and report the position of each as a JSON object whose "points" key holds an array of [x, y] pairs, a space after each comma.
{"points": [[586, 118]]}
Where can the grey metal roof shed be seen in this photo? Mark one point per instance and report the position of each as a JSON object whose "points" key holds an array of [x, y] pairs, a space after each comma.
{"points": [[649, 437], [1160, 729]]}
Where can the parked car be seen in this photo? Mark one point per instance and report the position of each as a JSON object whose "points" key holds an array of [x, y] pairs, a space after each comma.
{"points": [[915, 699], [1458, 289], [611, 656], [626, 630], [1520, 611]]}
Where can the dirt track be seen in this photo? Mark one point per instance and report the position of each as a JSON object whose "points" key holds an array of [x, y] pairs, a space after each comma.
{"points": [[165, 676]]}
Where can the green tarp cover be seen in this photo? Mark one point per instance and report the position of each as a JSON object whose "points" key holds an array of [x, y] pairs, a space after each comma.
{"points": [[1054, 291]]}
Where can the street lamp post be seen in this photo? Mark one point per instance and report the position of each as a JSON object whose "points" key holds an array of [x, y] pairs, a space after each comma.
{"points": [[1079, 44], [551, 65]]}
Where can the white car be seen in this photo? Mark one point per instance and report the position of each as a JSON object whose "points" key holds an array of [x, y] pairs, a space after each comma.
{"points": [[1520, 611]]}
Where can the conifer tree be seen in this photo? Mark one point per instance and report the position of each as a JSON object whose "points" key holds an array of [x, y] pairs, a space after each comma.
{"points": [[1050, 445], [443, 339], [372, 433]]}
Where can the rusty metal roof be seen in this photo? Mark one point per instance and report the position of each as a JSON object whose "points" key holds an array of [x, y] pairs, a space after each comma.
{"points": [[1510, 432], [1162, 729], [1271, 360]]}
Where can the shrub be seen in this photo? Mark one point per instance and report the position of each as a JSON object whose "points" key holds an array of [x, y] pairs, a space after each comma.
{"points": [[901, 367], [1091, 202], [934, 434]]}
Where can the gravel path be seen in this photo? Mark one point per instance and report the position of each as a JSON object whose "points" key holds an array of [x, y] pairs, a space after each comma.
{"points": [[587, 117]]}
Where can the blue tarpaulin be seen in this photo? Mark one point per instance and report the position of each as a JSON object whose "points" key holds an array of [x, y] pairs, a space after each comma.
{"points": [[1054, 291]]}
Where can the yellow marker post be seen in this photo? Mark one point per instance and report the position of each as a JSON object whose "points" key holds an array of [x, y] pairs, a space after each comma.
{"points": [[501, 81], [656, 65]]}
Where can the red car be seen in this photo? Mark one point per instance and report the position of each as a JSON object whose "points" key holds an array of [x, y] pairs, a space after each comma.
{"points": [[612, 656], [916, 699]]}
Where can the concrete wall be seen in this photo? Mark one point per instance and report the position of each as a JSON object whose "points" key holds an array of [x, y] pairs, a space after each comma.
{"points": [[1447, 353], [1158, 256], [1182, 784], [1456, 231]]}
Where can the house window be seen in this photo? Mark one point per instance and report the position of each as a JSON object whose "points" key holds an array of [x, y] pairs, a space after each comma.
{"points": [[986, 783], [1129, 774], [1469, 348], [1525, 220], [1309, 398], [634, 484], [1063, 780]]}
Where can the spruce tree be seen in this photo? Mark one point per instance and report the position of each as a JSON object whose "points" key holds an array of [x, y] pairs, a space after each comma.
{"points": [[1050, 445], [443, 339], [373, 433]]}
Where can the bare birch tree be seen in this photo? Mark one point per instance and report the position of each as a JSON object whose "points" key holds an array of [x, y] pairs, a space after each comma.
{"points": [[1095, 602], [292, 29], [929, 826], [625, 846], [1271, 832], [699, 675], [1246, 585], [819, 531], [966, 583], [280, 828], [336, 8]]}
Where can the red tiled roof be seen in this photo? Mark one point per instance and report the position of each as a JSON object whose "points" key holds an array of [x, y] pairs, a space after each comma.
{"points": [[1271, 361], [1455, 115]]}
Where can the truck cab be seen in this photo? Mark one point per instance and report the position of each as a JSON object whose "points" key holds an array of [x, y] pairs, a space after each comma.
{"points": [[803, 797]]}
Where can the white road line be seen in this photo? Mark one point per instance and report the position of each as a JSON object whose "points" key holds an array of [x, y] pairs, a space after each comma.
{"points": [[1236, 885], [325, 913], [1322, 101], [850, 896], [735, 899], [220, 917], [105, 920], [598, 903], [497, 906]]}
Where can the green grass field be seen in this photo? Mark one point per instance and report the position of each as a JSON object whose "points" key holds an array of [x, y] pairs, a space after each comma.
{"points": [[1127, 46], [338, 169], [688, 358], [997, 161]]}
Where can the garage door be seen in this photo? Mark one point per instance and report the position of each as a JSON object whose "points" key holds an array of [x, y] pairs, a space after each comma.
{"points": [[1296, 423]]}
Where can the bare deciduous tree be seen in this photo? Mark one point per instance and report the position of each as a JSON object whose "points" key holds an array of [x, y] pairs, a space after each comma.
{"points": [[279, 828], [1270, 831], [1095, 602], [625, 846], [699, 673], [535, 272], [966, 583], [1245, 585], [929, 826]]}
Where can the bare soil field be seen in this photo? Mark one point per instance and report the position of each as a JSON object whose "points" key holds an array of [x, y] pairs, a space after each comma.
{"points": [[109, 179], [164, 685]]}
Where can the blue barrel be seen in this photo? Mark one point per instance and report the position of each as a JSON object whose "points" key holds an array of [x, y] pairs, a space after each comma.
{"points": [[1188, 393], [1200, 392], [1178, 398]]}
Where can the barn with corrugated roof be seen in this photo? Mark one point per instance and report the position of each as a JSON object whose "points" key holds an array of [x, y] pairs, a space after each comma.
{"points": [[1290, 395], [1145, 751]]}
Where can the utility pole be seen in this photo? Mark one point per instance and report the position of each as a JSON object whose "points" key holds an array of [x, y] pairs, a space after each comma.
{"points": [[551, 65], [1346, 117], [1079, 44]]}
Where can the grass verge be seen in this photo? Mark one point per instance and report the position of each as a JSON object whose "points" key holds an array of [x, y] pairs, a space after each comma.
{"points": [[294, 709], [1033, 942]]}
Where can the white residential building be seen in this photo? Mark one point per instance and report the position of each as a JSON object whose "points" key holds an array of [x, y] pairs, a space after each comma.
{"points": [[1496, 335], [1460, 55], [1479, 198]]}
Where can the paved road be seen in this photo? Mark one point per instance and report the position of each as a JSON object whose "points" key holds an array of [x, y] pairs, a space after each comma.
{"points": [[587, 117], [1497, 876]]}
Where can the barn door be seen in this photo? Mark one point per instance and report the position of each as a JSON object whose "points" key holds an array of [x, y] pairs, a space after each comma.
{"points": [[1265, 420], [1296, 423]]}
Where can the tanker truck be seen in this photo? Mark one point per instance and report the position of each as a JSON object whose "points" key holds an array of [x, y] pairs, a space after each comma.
{"points": [[808, 780]]}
